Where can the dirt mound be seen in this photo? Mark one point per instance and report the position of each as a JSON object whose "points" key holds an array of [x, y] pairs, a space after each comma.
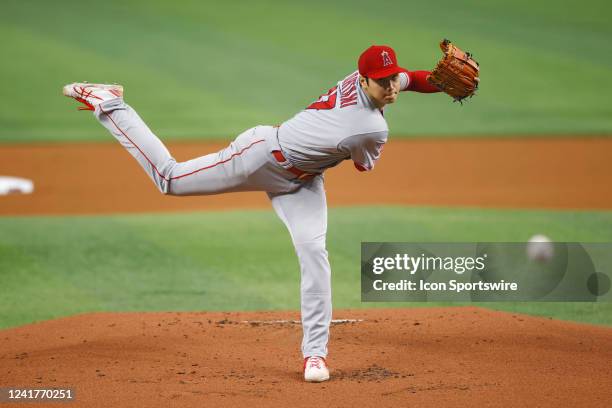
{"points": [[463, 356], [90, 178]]}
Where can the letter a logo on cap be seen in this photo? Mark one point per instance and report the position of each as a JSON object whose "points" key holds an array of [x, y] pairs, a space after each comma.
{"points": [[378, 61], [386, 58]]}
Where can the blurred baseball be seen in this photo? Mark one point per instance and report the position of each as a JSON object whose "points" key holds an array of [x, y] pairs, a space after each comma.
{"points": [[540, 248]]}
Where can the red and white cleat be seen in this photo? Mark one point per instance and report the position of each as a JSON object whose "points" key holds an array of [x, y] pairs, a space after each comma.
{"points": [[315, 369], [92, 95]]}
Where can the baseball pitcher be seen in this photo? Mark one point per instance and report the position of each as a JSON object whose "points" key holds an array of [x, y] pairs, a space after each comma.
{"points": [[287, 162]]}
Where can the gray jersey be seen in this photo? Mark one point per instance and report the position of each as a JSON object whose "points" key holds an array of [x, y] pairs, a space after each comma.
{"points": [[342, 124]]}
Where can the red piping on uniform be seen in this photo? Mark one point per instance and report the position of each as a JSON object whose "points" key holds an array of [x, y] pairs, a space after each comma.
{"points": [[184, 175], [221, 162]]}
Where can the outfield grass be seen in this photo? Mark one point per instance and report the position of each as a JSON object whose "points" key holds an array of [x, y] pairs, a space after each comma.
{"points": [[239, 260], [198, 69]]}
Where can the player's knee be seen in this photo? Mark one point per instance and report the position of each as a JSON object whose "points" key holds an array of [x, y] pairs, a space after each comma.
{"points": [[162, 185], [312, 251], [164, 190], [308, 237], [163, 180], [173, 192]]}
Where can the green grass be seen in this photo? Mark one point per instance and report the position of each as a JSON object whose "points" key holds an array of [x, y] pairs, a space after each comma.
{"points": [[197, 69], [239, 260]]}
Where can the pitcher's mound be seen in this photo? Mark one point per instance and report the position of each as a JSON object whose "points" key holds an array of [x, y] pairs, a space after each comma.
{"points": [[426, 357]]}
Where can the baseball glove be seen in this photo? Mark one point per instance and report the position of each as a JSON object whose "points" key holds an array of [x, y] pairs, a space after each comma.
{"points": [[456, 73]]}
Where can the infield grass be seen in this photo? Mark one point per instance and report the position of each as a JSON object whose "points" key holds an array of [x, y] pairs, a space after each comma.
{"points": [[203, 69], [240, 260]]}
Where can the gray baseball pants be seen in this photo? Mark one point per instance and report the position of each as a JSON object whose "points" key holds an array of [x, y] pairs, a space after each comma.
{"points": [[245, 165]]}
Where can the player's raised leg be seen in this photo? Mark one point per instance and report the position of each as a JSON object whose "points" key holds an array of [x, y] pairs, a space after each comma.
{"points": [[106, 101], [222, 171], [304, 212]]}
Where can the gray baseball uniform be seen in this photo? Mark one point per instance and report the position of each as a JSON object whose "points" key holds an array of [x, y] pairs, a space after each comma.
{"points": [[343, 124]]}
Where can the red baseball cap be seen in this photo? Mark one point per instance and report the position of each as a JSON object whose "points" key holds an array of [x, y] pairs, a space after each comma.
{"points": [[379, 61]]}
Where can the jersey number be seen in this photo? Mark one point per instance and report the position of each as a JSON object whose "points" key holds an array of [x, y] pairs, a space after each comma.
{"points": [[325, 101]]}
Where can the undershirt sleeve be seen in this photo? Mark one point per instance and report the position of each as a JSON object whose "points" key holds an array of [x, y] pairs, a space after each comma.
{"points": [[416, 81]]}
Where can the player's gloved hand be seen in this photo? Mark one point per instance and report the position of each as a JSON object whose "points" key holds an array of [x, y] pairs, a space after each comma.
{"points": [[456, 73]]}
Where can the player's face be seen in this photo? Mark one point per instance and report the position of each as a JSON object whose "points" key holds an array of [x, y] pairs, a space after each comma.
{"points": [[382, 91]]}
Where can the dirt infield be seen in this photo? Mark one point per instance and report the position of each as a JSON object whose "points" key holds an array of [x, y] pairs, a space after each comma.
{"points": [[421, 357], [508, 173], [392, 358]]}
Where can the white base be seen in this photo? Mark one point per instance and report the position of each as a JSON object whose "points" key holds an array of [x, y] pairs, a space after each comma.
{"points": [[15, 185]]}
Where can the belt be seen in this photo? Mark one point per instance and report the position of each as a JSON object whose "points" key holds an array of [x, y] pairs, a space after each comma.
{"points": [[301, 174]]}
